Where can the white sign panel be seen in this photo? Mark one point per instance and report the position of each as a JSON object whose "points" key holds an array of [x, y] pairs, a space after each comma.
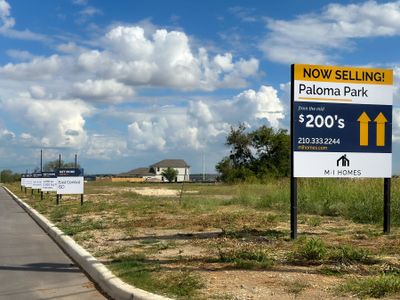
{"points": [[70, 185], [341, 121], [28, 182], [49, 184], [37, 183]]}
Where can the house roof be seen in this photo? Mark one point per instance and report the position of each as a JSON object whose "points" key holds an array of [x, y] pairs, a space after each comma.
{"points": [[139, 172], [172, 163]]}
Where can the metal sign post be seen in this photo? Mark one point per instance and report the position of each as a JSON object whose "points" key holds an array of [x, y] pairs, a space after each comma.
{"points": [[341, 127]]}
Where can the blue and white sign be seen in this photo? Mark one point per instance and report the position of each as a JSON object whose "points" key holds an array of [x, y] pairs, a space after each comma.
{"points": [[28, 181], [49, 182], [37, 181], [70, 181], [342, 121]]}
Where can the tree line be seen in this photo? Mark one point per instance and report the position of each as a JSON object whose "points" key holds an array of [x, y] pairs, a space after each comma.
{"points": [[255, 155]]}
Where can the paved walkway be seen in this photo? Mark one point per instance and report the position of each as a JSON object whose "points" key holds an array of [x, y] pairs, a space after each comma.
{"points": [[31, 264]]}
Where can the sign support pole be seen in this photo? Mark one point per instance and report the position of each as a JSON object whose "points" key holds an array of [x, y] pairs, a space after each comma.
{"points": [[81, 199], [41, 170], [293, 208], [293, 180], [386, 205], [59, 166]]}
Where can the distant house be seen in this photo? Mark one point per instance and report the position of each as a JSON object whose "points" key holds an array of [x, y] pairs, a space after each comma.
{"points": [[178, 164], [154, 172], [137, 173]]}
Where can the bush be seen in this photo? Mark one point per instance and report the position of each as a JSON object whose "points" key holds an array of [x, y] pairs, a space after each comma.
{"points": [[309, 250]]}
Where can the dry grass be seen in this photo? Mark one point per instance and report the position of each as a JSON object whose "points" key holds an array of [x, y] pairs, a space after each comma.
{"points": [[228, 241]]}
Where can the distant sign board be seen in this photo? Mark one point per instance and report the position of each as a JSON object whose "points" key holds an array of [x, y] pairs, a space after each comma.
{"points": [[342, 121], [37, 181], [28, 181], [49, 182], [70, 181]]}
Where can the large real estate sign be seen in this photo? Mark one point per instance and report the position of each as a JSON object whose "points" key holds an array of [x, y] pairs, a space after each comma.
{"points": [[70, 181], [341, 121]]}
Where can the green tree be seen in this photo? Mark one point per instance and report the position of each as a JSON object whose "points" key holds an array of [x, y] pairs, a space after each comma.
{"points": [[240, 142], [273, 151], [53, 165], [170, 174], [8, 176], [261, 153]]}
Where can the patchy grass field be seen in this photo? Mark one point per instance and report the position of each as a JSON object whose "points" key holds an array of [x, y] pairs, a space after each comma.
{"points": [[232, 241]]}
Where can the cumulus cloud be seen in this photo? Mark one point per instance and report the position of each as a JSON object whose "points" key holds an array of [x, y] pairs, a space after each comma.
{"points": [[6, 21], [164, 59], [51, 123], [40, 68], [203, 122], [396, 125], [317, 37], [106, 91], [129, 58], [6, 135], [37, 92], [106, 147]]}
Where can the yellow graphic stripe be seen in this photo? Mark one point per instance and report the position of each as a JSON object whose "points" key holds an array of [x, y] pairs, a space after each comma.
{"points": [[343, 74]]}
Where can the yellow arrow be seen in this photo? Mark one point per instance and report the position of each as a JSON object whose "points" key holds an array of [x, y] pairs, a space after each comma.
{"points": [[364, 120], [380, 121]]}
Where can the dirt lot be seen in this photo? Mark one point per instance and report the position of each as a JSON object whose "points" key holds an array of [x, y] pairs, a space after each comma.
{"points": [[212, 244]]}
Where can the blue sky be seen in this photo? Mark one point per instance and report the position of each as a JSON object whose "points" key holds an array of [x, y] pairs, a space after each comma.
{"points": [[125, 84]]}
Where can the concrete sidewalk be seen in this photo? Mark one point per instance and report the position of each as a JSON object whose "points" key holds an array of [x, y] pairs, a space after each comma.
{"points": [[31, 264]]}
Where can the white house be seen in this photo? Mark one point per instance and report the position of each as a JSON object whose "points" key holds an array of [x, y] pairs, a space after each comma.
{"points": [[178, 164], [154, 172]]}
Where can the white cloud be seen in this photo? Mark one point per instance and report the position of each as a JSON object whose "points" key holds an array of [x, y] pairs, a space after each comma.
{"points": [[317, 38], [396, 125], [70, 48], [6, 21], [20, 54], [90, 11], [80, 2], [164, 59], [37, 92], [106, 91], [100, 146], [6, 135], [202, 123], [40, 68], [50, 123], [128, 58]]}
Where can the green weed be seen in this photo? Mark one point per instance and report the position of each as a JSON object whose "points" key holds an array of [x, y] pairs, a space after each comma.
{"points": [[309, 250], [246, 258], [348, 254], [144, 274], [376, 287]]}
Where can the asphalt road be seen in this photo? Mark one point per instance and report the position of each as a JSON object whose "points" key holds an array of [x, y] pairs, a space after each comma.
{"points": [[31, 264]]}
